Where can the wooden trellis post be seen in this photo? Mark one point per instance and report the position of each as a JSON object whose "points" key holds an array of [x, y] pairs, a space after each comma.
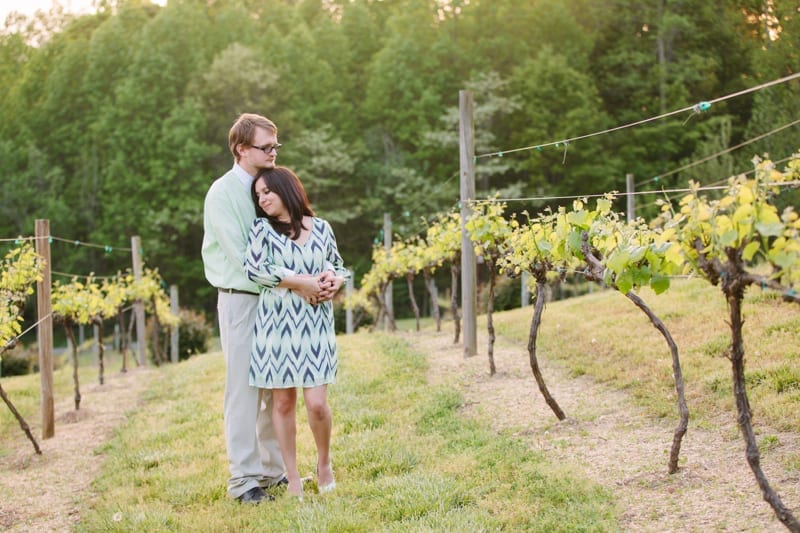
{"points": [[349, 312], [174, 307], [44, 330], [387, 243], [469, 281], [630, 203], [138, 307]]}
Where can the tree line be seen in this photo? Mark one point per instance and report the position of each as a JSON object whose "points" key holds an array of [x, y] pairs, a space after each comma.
{"points": [[114, 124]]}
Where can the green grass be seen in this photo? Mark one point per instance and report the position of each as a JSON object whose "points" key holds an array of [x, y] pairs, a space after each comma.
{"points": [[405, 460], [24, 391]]}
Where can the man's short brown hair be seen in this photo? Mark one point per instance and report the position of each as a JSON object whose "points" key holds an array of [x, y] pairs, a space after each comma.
{"points": [[244, 130]]}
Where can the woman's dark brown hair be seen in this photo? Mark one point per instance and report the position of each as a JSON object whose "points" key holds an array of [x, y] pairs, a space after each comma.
{"points": [[285, 183]]}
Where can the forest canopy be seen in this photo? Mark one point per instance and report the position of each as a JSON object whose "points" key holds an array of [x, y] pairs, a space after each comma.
{"points": [[114, 124]]}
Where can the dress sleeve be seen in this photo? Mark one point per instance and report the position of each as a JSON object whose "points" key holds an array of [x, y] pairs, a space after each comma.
{"points": [[258, 263], [334, 260]]}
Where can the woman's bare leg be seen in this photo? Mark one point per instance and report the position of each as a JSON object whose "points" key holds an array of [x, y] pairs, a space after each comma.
{"points": [[320, 420], [284, 407]]}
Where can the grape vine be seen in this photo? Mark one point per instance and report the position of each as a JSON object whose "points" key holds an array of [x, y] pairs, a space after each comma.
{"points": [[91, 303], [735, 241], [20, 269]]}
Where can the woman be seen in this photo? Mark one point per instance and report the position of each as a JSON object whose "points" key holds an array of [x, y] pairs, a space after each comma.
{"points": [[294, 344]]}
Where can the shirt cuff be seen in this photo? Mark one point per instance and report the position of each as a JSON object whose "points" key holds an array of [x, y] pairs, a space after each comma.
{"points": [[283, 291]]}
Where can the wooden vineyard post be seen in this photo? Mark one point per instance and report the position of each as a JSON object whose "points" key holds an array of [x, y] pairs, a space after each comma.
{"points": [[175, 333], [388, 299], [349, 312], [469, 280], [44, 331], [630, 187], [138, 307]]}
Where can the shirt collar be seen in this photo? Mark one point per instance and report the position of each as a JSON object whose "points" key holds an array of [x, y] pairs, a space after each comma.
{"points": [[245, 178]]}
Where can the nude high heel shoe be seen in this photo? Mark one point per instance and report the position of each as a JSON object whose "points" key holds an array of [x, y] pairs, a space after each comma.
{"points": [[323, 489]]}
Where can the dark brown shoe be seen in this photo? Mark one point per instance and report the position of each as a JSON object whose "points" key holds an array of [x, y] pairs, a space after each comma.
{"points": [[255, 495]]}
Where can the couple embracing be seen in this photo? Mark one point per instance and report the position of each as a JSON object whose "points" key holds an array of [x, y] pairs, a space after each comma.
{"points": [[276, 267]]}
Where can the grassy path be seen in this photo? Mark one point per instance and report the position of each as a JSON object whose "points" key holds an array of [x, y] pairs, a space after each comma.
{"points": [[404, 457], [44, 492], [611, 372]]}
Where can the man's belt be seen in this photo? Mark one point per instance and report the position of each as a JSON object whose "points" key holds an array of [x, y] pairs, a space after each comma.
{"points": [[237, 291]]}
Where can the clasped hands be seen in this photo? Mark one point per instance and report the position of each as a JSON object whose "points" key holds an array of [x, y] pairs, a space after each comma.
{"points": [[317, 289]]}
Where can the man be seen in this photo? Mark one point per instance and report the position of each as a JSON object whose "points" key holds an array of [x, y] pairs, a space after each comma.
{"points": [[253, 454]]}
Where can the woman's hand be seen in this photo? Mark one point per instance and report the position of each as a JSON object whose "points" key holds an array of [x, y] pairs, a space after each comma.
{"points": [[314, 289], [305, 286], [329, 284]]}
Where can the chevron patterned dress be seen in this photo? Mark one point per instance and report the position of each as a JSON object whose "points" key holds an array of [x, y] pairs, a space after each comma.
{"points": [[294, 343]]}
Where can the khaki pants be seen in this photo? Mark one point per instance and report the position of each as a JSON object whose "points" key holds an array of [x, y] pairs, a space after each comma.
{"points": [[254, 456]]}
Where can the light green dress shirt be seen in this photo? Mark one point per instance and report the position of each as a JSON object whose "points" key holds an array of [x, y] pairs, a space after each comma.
{"points": [[228, 213]]}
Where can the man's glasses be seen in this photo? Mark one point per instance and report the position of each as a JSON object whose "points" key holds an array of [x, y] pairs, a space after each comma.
{"points": [[268, 148]]}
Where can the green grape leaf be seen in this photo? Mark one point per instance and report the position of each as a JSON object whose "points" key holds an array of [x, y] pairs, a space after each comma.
{"points": [[618, 260], [603, 205], [641, 276], [579, 219], [637, 253], [743, 214], [728, 238], [750, 250], [770, 229], [574, 241], [783, 259], [674, 254], [624, 281], [659, 283]]}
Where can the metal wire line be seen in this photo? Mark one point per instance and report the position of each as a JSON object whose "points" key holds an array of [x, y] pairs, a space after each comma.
{"points": [[696, 108]]}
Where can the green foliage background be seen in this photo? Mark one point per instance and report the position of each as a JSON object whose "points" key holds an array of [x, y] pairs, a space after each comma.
{"points": [[114, 124]]}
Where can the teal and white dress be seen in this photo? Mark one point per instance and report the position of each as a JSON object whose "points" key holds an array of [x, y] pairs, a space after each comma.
{"points": [[294, 343]]}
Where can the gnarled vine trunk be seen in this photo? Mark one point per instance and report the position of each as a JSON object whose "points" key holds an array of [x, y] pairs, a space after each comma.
{"points": [[131, 322], [683, 410], [430, 285], [489, 323], [123, 340], [454, 270], [538, 308], [158, 355], [733, 286], [384, 311], [22, 424], [100, 351], [594, 272], [414, 306], [71, 337]]}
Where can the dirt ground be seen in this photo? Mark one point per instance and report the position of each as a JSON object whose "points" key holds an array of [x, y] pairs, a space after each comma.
{"points": [[611, 441], [40, 493], [605, 438]]}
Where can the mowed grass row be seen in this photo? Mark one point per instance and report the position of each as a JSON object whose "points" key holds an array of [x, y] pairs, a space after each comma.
{"points": [[404, 458], [25, 391]]}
